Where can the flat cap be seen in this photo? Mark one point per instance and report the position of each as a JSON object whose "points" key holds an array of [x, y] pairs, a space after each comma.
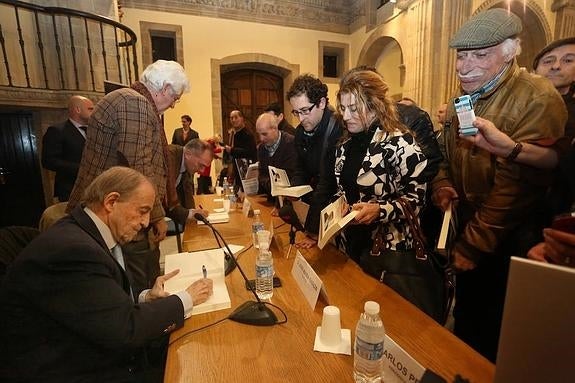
{"points": [[550, 47], [486, 29]]}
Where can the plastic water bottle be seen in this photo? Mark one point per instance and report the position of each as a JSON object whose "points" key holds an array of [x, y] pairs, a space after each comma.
{"points": [[369, 337], [225, 188], [257, 225], [264, 268]]}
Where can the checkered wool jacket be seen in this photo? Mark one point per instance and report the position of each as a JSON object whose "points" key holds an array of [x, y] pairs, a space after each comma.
{"points": [[125, 129]]}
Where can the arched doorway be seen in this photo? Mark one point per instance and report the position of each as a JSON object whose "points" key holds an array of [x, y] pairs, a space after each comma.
{"points": [[385, 54], [250, 91], [250, 62]]}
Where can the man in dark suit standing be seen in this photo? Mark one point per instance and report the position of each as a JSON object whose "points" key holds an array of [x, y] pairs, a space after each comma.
{"points": [[184, 134], [242, 144], [63, 144], [69, 312]]}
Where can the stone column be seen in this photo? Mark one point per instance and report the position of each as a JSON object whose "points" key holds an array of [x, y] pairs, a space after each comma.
{"points": [[565, 19]]}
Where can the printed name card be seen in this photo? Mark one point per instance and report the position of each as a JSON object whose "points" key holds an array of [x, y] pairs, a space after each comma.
{"points": [[246, 207], [399, 366], [307, 280]]}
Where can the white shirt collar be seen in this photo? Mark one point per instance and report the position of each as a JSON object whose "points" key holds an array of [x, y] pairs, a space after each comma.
{"points": [[102, 228]]}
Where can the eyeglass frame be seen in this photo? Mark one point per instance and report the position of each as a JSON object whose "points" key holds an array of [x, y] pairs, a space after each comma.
{"points": [[303, 111]]}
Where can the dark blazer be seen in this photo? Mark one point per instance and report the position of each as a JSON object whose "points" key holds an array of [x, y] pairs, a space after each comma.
{"points": [[62, 148], [67, 314], [181, 195], [178, 136], [312, 154], [244, 147], [283, 158]]}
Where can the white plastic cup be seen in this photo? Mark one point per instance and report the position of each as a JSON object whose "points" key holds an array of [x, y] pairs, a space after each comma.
{"points": [[330, 332], [264, 237], [226, 203]]}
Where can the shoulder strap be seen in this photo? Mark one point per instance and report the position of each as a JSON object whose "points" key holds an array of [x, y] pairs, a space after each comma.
{"points": [[328, 131]]}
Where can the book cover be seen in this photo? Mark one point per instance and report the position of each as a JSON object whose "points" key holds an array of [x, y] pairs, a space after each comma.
{"points": [[332, 220], [448, 229], [190, 265], [280, 185]]}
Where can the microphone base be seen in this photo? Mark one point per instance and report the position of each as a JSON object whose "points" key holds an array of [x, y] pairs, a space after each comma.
{"points": [[229, 264], [254, 314]]}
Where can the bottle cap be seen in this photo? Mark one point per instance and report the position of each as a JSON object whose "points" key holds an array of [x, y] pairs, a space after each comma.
{"points": [[371, 307]]}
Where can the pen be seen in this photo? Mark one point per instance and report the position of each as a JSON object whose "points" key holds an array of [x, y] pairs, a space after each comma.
{"points": [[204, 271]]}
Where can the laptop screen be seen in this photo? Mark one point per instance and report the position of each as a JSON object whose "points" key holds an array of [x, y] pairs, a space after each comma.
{"points": [[537, 342]]}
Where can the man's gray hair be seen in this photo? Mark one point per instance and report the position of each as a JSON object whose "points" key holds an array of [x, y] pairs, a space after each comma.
{"points": [[162, 73], [119, 179], [511, 47], [197, 146]]}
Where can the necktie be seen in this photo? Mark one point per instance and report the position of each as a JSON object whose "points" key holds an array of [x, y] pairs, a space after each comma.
{"points": [[119, 257]]}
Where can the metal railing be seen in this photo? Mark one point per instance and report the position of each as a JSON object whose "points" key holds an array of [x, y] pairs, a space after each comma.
{"points": [[63, 49]]}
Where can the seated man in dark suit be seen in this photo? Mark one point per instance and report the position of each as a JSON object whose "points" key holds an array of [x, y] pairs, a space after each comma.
{"points": [[69, 312], [276, 149]]}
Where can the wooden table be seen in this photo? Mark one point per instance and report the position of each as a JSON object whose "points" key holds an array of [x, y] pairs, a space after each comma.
{"points": [[231, 351]]}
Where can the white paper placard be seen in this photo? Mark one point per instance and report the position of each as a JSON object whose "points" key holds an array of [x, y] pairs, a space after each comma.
{"points": [[246, 207], [307, 280], [399, 366]]}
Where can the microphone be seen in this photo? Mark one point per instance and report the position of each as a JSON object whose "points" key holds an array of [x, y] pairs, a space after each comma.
{"points": [[229, 265], [250, 312]]}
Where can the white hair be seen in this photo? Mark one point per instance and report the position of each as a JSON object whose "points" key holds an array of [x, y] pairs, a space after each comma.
{"points": [[162, 73], [511, 48]]}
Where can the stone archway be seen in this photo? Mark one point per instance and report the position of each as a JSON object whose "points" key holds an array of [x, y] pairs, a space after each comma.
{"points": [[259, 61], [536, 32], [385, 54]]}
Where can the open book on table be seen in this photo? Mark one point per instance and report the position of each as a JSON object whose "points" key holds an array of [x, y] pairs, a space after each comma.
{"points": [[190, 265], [217, 217], [280, 185], [448, 229], [332, 220]]}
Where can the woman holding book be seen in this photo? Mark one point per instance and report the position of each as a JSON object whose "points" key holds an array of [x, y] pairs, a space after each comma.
{"points": [[378, 162]]}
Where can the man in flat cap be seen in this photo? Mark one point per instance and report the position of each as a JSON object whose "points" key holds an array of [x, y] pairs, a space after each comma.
{"points": [[497, 196]]}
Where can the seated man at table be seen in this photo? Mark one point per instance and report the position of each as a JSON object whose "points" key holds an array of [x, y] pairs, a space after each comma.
{"points": [[68, 308], [276, 149]]}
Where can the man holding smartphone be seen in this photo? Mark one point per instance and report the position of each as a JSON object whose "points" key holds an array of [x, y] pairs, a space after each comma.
{"points": [[497, 197]]}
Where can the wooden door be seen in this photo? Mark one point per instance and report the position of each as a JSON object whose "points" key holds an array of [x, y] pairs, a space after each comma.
{"points": [[21, 192], [250, 91]]}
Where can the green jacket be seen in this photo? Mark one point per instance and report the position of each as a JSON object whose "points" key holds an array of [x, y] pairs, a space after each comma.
{"points": [[497, 197]]}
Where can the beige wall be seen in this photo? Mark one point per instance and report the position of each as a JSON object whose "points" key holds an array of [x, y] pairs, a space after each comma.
{"points": [[205, 39]]}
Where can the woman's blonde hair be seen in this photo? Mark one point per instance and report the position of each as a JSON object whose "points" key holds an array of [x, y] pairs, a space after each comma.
{"points": [[371, 95]]}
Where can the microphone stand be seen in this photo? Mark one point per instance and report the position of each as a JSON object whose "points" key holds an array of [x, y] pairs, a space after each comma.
{"points": [[292, 232], [250, 312]]}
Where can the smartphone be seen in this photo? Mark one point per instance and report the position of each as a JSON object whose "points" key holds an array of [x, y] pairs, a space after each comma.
{"points": [[252, 283], [465, 115], [564, 222]]}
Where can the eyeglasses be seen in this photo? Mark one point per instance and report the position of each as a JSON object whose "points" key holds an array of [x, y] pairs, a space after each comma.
{"points": [[303, 111]]}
